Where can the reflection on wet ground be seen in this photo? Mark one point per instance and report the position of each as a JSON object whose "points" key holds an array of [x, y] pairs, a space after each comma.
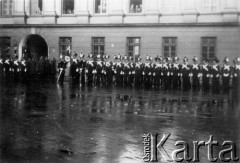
{"points": [[47, 122]]}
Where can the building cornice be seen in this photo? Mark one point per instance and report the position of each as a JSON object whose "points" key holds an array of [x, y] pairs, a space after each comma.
{"points": [[234, 24]]}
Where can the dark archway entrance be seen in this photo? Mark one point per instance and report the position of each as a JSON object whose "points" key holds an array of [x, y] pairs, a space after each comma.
{"points": [[33, 46]]}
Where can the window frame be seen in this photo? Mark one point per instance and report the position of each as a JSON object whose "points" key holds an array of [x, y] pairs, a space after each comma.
{"points": [[62, 7], [99, 45], [9, 41], [169, 45], [36, 12], [208, 45], [64, 44], [128, 44], [129, 6], [8, 8], [100, 13], [209, 6]]}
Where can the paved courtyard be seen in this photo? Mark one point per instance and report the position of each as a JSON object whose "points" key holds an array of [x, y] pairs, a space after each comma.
{"points": [[48, 122]]}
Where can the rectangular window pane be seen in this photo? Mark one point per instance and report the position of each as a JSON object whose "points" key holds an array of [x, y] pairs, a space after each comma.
{"points": [[209, 5], [65, 45], [173, 48], [130, 48], [7, 7], [169, 46], [133, 47], [136, 50], [209, 47], [98, 45], [211, 55], [166, 49], [173, 54], [130, 54], [136, 41], [135, 6], [68, 7], [100, 6], [166, 54]]}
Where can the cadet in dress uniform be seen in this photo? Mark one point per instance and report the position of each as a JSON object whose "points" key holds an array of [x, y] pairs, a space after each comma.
{"points": [[157, 72], [195, 73], [169, 73], [24, 71], [1, 69], [147, 72], [109, 70], [226, 74], [152, 65], [16, 69], [165, 74], [90, 70], [205, 75], [119, 71], [132, 72], [74, 69], [215, 73], [99, 68], [7, 69], [104, 73], [82, 68], [126, 70], [138, 72], [186, 74], [236, 73], [176, 69], [62, 65]]}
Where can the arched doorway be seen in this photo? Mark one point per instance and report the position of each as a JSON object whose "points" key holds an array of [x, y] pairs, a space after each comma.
{"points": [[33, 46]]}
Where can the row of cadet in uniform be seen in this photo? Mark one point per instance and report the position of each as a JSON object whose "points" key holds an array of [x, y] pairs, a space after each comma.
{"points": [[15, 70], [164, 72]]}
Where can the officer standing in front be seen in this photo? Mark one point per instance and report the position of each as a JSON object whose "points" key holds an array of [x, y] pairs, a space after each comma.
{"points": [[61, 66]]}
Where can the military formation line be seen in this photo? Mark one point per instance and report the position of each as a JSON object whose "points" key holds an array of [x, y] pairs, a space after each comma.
{"points": [[166, 73], [26, 70]]}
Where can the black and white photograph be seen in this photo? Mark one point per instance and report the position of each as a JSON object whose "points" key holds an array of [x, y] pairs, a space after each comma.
{"points": [[119, 81]]}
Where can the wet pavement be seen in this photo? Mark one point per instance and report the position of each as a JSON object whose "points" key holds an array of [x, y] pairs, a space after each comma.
{"points": [[48, 122]]}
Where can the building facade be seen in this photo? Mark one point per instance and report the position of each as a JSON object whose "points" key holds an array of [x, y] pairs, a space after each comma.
{"points": [[203, 28]]}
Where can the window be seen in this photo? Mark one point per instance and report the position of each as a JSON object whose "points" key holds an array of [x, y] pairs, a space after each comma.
{"points": [[36, 7], [209, 5], [169, 46], [4, 46], [100, 6], [68, 7], [135, 6], [65, 45], [133, 47], [209, 48], [6, 7], [98, 45], [171, 6]]}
